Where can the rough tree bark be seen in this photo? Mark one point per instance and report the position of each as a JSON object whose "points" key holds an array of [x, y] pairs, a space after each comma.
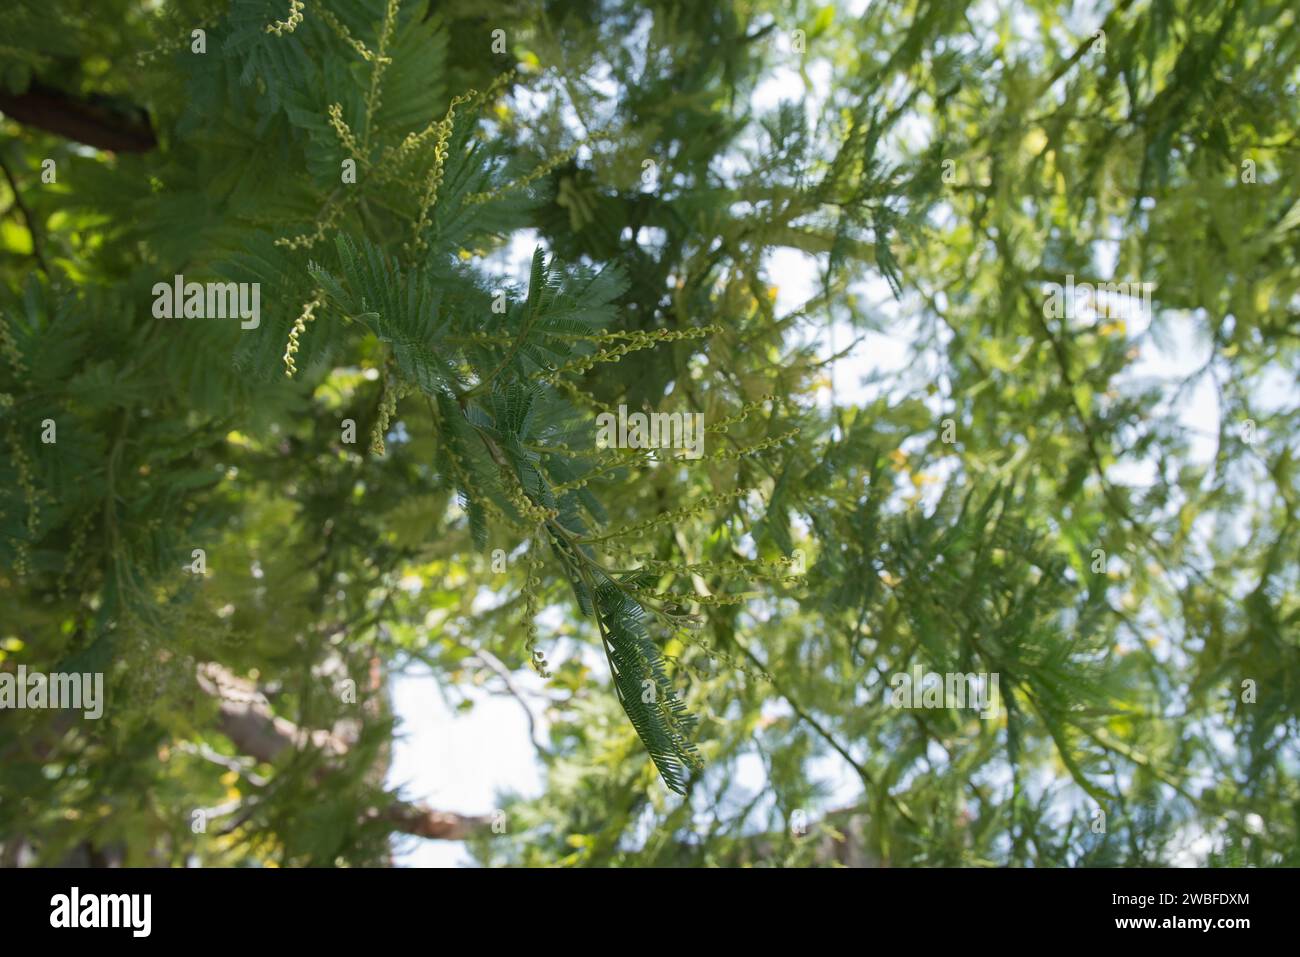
{"points": [[245, 716]]}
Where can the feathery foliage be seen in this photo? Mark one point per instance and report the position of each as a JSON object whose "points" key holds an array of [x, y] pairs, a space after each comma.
{"points": [[829, 235]]}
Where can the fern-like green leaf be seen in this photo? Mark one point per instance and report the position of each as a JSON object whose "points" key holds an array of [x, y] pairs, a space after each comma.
{"points": [[644, 690]]}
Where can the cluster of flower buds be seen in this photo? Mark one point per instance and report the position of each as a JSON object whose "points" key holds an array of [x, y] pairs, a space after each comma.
{"points": [[674, 516], [631, 342], [23, 466], [344, 34], [533, 513], [441, 132], [295, 334], [394, 389], [742, 415], [344, 133], [281, 27], [553, 163], [725, 454], [532, 606]]}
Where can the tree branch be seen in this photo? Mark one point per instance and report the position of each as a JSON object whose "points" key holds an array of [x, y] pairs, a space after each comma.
{"points": [[246, 718], [88, 121], [421, 820], [38, 249]]}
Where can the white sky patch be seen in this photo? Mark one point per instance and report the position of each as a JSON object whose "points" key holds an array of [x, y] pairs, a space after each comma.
{"points": [[458, 761]]}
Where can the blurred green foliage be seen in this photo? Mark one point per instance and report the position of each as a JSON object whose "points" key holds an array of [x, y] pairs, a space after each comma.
{"points": [[1019, 494]]}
